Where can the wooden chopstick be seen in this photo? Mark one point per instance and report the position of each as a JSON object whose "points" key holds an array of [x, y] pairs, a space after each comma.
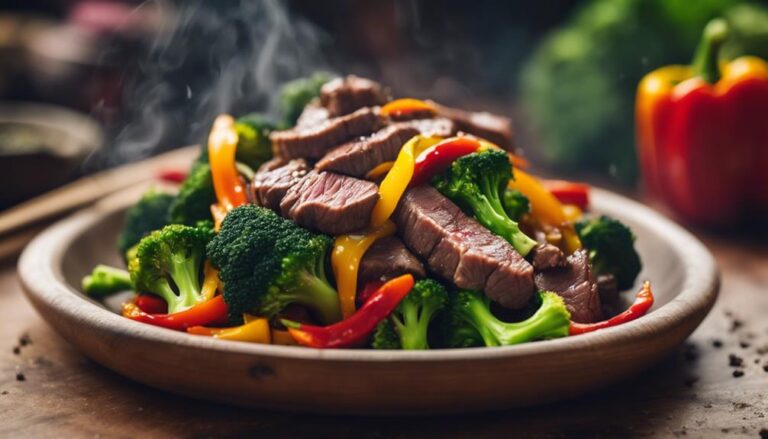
{"points": [[20, 223]]}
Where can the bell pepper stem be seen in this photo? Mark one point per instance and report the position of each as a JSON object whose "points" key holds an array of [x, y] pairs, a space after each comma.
{"points": [[705, 61]]}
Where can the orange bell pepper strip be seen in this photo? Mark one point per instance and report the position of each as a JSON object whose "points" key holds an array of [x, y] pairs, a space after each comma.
{"points": [[254, 330], [702, 135], [348, 251], [408, 107], [545, 207], [222, 145]]}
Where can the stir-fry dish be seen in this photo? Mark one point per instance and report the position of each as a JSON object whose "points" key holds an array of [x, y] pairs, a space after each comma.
{"points": [[367, 222]]}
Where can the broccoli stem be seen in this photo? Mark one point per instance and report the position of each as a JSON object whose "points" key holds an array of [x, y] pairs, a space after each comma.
{"points": [[499, 224], [184, 272], [413, 327], [316, 293]]}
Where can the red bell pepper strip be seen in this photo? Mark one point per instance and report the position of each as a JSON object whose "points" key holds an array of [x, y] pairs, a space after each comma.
{"points": [[367, 291], [172, 175], [642, 304], [151, 304], [438, 158], [354, 330], [210, 312], [568, 192]]}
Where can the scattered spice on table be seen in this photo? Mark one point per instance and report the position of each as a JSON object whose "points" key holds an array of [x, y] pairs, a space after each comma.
{"points": [[24, 340], [744, 344], [764, 433], [735, 361], [738, 373], [20, 377], [717, 343], [765, 367], [16, 350]]}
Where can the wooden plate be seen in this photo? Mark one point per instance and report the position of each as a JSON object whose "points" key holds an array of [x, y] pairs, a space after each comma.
{"points": [[684, 276]]}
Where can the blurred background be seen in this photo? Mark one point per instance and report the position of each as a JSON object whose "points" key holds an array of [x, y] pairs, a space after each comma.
{"points": [[88, 85]]}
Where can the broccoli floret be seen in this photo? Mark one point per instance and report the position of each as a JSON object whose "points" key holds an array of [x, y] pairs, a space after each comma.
{"points": [[267, 262], [413, 315], [196, 194], [515, 204], [105, 280], [472, 309], [611, 247], [148, 215], [295, 95], [253, 145], [169, 263], [385, 336], [477, 183]]}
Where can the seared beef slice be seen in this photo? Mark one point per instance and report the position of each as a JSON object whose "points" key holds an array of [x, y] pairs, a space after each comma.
{"points": [[270, 185], [311, 141], [359, 156], [576, 285], [342, 96], [497, 129], [330, 203], [461, 250], [388, 258]]}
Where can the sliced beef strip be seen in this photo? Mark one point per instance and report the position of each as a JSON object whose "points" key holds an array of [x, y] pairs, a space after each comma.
{"points": [[271, 164], [313, 114], [461, 250], [330, 203], [359, 156], [313, 141], [576, 285], [269, 187], [497, 129], [387, 258], [547, 256], [438, 126], [342, 96]]}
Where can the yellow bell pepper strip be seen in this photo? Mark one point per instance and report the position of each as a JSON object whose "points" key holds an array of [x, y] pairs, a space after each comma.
{"points": [[355, 329], [379, 170], [348, 251], [702, 135], [545, 207], [396, 182], [210, 281], [572, 212], [222, 146], [280, 337], [210, 312], [217, 213], [408, 107], [254, 330]]}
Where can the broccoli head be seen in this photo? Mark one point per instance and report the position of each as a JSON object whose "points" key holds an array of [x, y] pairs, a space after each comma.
{"points": [[515, 204], [412, 317], [611, 247], [105, 280], [253, 145], [196, 194], [295, 95], [471, 310], [385, 336], [267, 262], [169, 263], [148, 215], [477, 183]]}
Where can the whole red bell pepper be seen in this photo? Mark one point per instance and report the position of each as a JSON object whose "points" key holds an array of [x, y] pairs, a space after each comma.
{"points": [[355, 329], [702, 134], [643, 302], [210, 312]]}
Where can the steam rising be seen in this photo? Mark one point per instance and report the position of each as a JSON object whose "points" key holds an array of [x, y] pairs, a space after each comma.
{"points": [[212, 57]]}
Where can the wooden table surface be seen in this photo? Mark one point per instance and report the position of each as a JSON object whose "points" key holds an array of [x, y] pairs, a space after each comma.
{"points": [[47, 388]]}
